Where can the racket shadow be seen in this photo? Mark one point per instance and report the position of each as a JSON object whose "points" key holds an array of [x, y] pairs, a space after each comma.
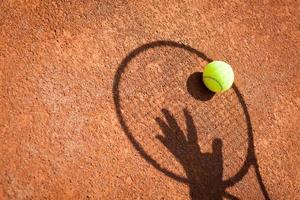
{"points": [[194, 171]]}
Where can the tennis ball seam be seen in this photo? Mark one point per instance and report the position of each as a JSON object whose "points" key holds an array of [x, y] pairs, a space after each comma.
{"points": [[212, 78]]}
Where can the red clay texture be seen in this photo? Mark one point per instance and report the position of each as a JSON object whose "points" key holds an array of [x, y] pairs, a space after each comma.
{"points": [[103, 100]]}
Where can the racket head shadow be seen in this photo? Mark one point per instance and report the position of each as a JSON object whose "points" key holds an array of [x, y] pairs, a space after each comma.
{"points": [[145, 67]]}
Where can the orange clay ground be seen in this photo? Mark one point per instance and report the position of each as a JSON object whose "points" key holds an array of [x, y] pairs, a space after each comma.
{"points": [[70, 130]]}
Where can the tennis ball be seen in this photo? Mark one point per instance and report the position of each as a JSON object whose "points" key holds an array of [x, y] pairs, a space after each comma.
{"points": [[218, 76]]}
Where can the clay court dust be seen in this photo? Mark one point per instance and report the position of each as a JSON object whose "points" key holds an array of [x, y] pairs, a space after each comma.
{"points": [[99, 100]]}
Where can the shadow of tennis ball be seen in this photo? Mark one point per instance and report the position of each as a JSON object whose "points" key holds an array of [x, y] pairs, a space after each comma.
{"points": [[197, 89]]}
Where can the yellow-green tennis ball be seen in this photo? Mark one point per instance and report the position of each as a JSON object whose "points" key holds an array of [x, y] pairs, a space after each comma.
{"points": [[218, 76]]}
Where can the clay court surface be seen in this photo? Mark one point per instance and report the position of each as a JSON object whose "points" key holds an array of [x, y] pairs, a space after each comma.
{"points": [[100, 100]]}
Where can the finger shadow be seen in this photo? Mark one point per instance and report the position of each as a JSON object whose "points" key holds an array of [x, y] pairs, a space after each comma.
{"points": [[204, 171]]}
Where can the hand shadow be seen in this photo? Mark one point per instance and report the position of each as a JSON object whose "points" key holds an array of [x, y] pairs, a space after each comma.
{"points": [[204, 171]]}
